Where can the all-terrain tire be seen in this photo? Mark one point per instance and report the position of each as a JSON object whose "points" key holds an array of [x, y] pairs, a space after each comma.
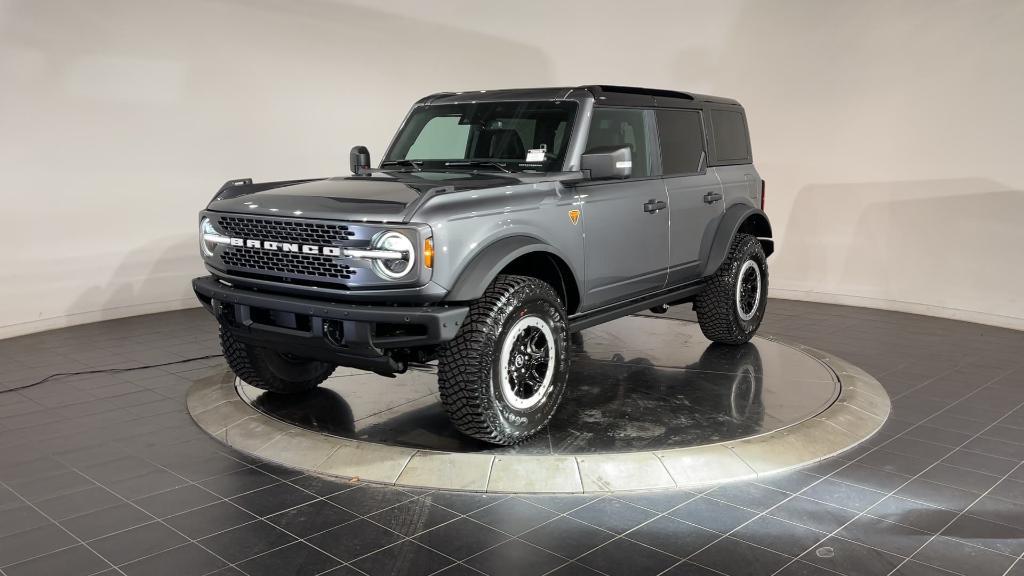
{"points": [[270, 370], [717, 307], [469, 373]]}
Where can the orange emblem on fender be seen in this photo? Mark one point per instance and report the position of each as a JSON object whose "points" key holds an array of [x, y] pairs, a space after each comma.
{"points": [[574, 216]]}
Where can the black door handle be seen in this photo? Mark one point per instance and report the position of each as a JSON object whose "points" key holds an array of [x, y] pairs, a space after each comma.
{"points": [[652, 206], [712, 197]]}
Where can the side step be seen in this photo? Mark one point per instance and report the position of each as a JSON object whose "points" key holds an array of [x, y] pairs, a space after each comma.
{"points": [[676, 295]]}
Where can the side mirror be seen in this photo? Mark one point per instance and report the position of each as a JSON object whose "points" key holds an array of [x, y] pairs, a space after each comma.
{"points": [[359, 160], [608, 162]]}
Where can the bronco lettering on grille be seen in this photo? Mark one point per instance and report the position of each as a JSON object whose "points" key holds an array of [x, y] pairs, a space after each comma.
{"points": [[287, 247]]}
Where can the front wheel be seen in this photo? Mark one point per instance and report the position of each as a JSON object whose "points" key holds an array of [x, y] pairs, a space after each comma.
{"points": [[732, 304], [502, 376], [270, 370]]}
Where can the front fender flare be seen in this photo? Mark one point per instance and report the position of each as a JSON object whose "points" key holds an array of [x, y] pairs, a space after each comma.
{"points": [[734, 218], [488, 262]]}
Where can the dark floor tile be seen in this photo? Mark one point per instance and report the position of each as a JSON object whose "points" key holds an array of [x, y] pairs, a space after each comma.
{"points": [[888, 536], [778, 535], [567, 569], [980, 462], [20, 518], [80, 502], [346, 570], [36, 489], [791, 482], [938, 435], [737, 558], [186, 560], [106, 521], [690, 569], [567, 537], [321, 485], [272, 499], [994, 447], [801, 568], [515, 558], [295, 559], [238, 482], [33, 542], [406, 558], [938, 495], [870, 478], [1011, 490], [137, 542], [962, 478], [673, 536], [561, 503], [204, 468], [367, 499], [612, 515], [963, 558], [913, 568], [463, 502], [712, 514], [956, 424], [998, 510], [513, 516], [208, 520], [312, 518], [812, 514], [843, 495], [750, 496], [147, 484], [980, 532], [622, 557], [895, 463], [358, 538], [74, 561], [850, 558], [913, 514], [412, 517], [176, 500], [246, 541], [464, 537]]}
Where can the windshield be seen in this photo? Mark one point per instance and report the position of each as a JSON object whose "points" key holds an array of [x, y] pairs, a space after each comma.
{"points": [[486, 136]]}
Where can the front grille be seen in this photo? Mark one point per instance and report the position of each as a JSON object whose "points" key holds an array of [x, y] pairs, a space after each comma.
{"points": [[317, 233], [288, 263], [290, 267]]}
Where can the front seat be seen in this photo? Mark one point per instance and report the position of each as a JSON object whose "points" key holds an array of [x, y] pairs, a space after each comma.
{"points": [[500, 143]]}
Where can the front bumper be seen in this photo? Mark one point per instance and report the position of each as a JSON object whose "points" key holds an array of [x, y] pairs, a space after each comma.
{"points": [[355, 335]]}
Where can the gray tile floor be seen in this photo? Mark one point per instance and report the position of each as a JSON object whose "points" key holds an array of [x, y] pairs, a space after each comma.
{"points": [[106, 474]]}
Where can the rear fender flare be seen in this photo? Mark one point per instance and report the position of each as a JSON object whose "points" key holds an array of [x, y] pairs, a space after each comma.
{"points": [[737, 217]]}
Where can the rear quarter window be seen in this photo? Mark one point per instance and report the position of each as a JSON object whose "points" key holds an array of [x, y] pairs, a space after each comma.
{"points": [[732, 144]]}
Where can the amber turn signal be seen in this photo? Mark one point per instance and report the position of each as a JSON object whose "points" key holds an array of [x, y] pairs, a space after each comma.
{"points": [[428, 252]]}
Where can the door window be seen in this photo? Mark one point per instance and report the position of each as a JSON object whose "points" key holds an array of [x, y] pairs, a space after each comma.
{"points": [[682, 141], [621, 127]]}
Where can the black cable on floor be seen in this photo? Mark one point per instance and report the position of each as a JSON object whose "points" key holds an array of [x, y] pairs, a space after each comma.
{"points": [[108, 371]]}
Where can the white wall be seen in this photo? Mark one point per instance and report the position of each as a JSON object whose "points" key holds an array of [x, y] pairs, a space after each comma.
{"points": [[887, 131]]}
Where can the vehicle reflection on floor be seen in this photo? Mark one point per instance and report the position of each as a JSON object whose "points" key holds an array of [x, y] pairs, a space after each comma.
{"points": [[638, 383]]}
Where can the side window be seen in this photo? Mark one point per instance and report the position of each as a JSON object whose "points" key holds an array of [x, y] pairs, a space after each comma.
{"points": [[441, 137], [682, 141], [621, 127], [730, 130]]}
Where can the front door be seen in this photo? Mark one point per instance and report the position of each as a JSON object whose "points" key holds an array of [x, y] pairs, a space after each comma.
{"points": [[625, 233]]}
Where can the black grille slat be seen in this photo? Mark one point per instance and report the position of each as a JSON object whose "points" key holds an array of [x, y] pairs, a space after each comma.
{"points": [[317, 233], [286, 263]]}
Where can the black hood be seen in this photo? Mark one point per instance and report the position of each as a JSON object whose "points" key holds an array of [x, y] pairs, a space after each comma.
{"points": [[380, 197]]}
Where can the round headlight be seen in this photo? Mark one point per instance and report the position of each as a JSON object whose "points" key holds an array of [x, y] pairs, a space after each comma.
{"points": [[394, 242], [206, 233]]}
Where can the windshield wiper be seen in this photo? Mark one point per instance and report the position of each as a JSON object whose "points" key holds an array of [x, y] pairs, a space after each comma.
{"points": [[413, 163], [479, 163]]}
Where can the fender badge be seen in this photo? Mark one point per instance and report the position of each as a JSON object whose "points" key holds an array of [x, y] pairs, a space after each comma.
{"points": [[574, 216]]}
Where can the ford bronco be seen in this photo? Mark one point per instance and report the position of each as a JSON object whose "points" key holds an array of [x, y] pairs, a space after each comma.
{"points": [[497, 224]]}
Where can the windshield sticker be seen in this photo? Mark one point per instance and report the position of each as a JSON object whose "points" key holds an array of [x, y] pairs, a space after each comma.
{"points": [[535, 154]]}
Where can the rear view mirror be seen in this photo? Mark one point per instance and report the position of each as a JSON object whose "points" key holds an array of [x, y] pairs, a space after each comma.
{"points": [[359, 160], [608, 162]]}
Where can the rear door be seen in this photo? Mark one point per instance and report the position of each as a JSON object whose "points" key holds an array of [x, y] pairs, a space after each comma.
{"points": [[695, 195], [626, 242]]}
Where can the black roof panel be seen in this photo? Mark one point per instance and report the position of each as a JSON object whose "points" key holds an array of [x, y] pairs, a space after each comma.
{"points": [[603, 93]]}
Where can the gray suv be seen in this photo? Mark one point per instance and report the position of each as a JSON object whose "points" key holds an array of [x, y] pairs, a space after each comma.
{"points": [[498, 223]]}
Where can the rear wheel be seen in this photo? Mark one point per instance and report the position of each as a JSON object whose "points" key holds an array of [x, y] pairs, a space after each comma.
{"points": [[270, 370], [732, 305], [503, 375]]}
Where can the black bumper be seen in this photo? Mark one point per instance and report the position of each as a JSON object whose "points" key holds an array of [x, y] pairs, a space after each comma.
{"points": [[354, 335]]}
